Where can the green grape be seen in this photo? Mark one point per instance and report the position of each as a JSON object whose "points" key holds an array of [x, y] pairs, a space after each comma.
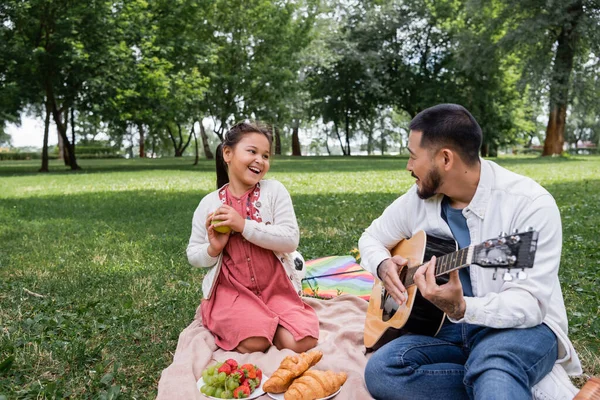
{"points": [[210, 380], [210, 391], [203, 389], [227, 394], [218, 392], [232, 384], [205, 376], [218, 365], [221, 377], [211, 370]]}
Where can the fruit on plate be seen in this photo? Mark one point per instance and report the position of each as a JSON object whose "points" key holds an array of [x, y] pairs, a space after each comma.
{"points": [[220, 229], [228, 380]]}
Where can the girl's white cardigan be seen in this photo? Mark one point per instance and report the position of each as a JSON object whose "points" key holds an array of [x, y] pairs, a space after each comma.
{"points": [[278, 231]]}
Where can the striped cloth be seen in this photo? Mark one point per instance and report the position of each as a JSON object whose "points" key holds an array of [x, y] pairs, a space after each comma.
{"points": [[329, 277]]}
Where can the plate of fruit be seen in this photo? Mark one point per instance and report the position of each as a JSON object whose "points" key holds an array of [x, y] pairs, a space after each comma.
{"points": [[229, 380]]}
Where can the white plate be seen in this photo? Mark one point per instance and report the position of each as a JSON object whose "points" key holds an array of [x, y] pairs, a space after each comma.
{"points": [[257, 392], [279, 396]]}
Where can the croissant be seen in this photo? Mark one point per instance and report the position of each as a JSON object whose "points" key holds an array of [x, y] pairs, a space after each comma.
{"points": [[315, 384], [290, 368]]}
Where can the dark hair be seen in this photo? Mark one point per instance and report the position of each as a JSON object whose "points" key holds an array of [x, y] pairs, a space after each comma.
{"points": [[231, 139], [449, 125]]}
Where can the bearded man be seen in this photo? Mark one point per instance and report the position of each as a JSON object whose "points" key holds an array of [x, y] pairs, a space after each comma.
{"points": [[501, 339]]}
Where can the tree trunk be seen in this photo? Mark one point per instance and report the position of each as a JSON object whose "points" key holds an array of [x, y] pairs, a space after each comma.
{"points": [[61, 149], [142, 140], [66, 143], [347, 135], [207, 153], [62, 130], [296, 149], [485, 150], [277, 140], [196, 144], [559, 81], [153, 146], [73, 128], [337, 132], [44, 167]]}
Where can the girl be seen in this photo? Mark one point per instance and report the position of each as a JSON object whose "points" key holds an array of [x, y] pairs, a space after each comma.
{"points": [[251, 294]]}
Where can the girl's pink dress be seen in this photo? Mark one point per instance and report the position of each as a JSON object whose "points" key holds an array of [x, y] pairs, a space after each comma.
{"points": [[253, 294]]}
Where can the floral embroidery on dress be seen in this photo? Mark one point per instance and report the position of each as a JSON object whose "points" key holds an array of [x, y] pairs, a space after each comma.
{"points": [[252, 202]]}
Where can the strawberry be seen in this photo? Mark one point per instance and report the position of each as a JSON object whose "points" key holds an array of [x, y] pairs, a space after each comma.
{"points": [[249, 370], [241, 392], [258, 374], [225, 368], [232, 363], [240, 375], [254, 383]]}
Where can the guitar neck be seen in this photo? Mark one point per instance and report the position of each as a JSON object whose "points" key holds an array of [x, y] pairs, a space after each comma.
{"points": [[444, 264]]}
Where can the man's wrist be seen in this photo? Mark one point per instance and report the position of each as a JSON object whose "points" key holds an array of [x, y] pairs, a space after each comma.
{"points": [[459, 311], [378, 270]]}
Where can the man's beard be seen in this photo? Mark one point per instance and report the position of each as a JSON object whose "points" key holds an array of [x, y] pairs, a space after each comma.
{"points": [[430, 184]]}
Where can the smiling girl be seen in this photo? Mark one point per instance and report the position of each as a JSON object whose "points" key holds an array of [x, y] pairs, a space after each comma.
{"points": [[251, 293]]}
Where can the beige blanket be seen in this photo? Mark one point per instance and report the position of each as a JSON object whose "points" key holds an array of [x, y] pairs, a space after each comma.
{"points": [[341, 328]]}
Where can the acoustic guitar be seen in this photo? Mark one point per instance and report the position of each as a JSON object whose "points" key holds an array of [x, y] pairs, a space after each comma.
{"points": [[386, 320]]}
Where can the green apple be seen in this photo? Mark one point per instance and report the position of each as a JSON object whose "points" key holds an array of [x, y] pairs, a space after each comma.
{"points": [[220, 229]]}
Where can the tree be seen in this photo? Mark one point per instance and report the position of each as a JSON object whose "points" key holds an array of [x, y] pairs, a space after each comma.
{"points": [[61, 47], [255, 62], [584, 118], [549, 42]]}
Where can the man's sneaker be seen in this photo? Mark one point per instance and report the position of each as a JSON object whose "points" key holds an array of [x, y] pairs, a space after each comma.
{"points": [[555, 386]]}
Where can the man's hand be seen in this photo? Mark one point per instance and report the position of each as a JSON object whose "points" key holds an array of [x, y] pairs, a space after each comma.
{"points": [[389, 273], [447, 297]]}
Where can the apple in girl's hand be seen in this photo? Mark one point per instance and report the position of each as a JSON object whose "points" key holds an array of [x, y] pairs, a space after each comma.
{"points": [[220, 229]]}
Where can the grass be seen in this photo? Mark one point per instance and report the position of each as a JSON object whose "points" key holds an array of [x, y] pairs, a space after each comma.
{"points": [[105, 247]]}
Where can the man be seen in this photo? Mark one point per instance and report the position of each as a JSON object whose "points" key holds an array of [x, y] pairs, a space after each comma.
{"points": [[499, 338]]}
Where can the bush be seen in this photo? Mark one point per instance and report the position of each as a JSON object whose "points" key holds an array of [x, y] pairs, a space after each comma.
{"points": [[25, 155]]}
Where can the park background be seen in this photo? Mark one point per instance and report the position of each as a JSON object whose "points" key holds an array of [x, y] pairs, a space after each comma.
{"points": [[94, 283]]}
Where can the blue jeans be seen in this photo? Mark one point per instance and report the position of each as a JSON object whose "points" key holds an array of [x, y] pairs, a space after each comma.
{"points": [[463, 361]]}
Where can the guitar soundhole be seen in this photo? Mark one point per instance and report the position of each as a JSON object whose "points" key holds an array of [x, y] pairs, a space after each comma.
{"points": [[389, 307]]}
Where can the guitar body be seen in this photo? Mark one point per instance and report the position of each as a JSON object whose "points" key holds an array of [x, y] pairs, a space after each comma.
{"points": [[386, 320]]}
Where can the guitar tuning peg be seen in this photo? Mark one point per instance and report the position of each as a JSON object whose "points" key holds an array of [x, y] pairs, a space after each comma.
{"points": [[522, 275], [511, 260], [516, 231], [530, 229], [507, 277], [502, 233], [495, 274], [515, 239], [488, 243]]}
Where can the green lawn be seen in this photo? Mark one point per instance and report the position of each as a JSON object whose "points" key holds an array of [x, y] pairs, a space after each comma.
{"points": [[105, 247]]}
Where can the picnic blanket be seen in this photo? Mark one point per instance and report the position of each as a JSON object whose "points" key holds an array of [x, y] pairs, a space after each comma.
{"points": [[341, 327], [328, 277]]}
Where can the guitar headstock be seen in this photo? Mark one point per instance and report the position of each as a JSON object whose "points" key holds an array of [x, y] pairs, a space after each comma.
{"points": [[515, 251]]}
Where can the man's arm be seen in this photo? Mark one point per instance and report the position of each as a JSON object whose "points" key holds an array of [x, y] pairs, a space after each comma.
{"points": [[523, 303]]}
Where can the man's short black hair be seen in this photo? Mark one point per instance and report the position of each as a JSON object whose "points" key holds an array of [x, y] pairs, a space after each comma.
{"points": [[449, 125]]}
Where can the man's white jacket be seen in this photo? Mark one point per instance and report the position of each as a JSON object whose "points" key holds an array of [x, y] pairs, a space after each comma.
{"points": [[504, 202]]}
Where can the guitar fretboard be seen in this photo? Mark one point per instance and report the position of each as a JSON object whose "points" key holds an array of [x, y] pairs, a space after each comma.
{"points": [[444, 264]]}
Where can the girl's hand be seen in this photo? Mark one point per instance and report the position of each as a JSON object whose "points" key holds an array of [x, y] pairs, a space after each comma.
{"points": [[217, 240], [230, 218]]}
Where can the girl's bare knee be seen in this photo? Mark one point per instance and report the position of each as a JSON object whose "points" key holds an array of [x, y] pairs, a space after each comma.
{"points": [[254, 344]]}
